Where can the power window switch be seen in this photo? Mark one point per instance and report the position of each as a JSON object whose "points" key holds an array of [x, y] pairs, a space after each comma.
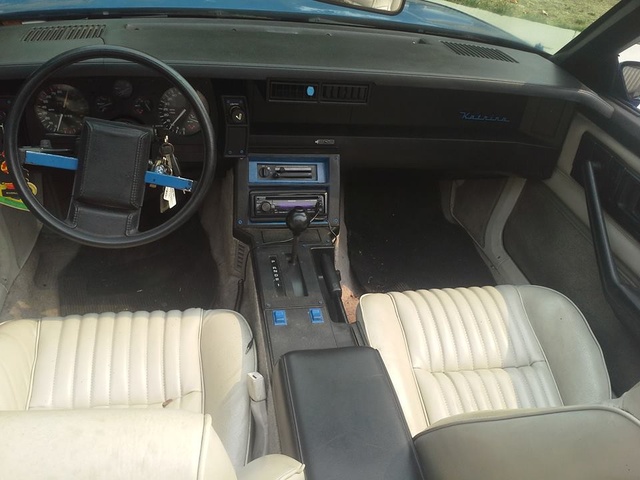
{"points": [[279, 318], [316, 315]]}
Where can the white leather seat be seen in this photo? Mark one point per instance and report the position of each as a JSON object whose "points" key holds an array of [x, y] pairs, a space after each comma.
{"points": [[108, 444], [455, 351], [195, 360]]}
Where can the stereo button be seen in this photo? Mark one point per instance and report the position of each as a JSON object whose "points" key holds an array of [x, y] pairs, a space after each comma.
{"points": [[266, 207]]}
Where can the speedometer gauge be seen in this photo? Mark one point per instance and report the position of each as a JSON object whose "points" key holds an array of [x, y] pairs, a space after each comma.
{"points": [[176, 113], [61, 108]]}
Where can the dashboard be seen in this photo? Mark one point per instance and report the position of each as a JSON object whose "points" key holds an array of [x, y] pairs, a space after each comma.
{"points": [[311, 89]]}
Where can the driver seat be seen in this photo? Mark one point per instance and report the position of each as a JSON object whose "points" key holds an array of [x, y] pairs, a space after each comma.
{"points": [[195, 361]]}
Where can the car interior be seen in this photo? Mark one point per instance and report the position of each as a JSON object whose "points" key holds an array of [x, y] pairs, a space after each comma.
{"points": [[259, 248]]}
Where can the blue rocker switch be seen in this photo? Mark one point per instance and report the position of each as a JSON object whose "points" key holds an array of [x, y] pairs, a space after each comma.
{"points": [[316, 315], [279, 318]]}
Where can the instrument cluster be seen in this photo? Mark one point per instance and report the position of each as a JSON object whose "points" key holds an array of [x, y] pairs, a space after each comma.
{"points": [[60, 106]]}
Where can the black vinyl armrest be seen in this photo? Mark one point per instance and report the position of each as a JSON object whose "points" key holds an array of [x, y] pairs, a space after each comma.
{"points": [[337, 413]]}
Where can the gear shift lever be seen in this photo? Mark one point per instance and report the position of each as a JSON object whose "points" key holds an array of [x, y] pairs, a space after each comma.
{"points": [[297, 221]]}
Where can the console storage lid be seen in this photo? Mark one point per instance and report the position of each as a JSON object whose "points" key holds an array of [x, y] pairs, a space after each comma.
{"points": [[338, 414]]}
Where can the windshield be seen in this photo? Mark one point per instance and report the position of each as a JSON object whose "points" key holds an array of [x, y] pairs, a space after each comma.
{"points": [[544, 25], [548, 25]]}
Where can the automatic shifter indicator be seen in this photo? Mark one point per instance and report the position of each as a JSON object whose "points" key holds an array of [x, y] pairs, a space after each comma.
{"points": [[275, 273]]}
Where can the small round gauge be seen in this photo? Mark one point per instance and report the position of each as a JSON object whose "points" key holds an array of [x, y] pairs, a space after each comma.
{"points": [[122, 88], [142, 105], [104, 103], [61, 108], [176, 113]]}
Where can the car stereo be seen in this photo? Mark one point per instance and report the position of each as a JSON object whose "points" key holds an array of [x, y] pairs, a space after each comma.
{"points": [[269, 186]]}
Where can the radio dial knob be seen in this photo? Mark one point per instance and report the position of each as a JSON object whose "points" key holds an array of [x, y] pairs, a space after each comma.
{"points": [[264, 172], [265, 207]]}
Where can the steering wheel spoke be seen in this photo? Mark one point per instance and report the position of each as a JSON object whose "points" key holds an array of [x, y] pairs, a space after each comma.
{"points": [[62, 162], [112, 163]]}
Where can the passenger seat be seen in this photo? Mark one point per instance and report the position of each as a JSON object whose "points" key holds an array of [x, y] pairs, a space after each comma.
{"points": [[464, 350]]}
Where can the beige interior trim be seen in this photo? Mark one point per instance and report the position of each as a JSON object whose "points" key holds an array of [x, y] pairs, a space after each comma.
{"points": [[624, 246]]}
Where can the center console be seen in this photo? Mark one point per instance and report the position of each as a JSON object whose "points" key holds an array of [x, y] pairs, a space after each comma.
{"points": [[288, 208], [335, 407]]}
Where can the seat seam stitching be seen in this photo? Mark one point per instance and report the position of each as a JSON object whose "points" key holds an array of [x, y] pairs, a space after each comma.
{"points": [[111, 352], [146, 359], [202, 389], [544, 355], [93, 361], [424, 333], [55, 365], [527, 386], [33, 367], [490, 325], [464, 325], [502, 395], [202, 446], [521, 328], [408, 353], [485, 391], [437, 330], [533, 380], [163, 360], [442, 393], [545, 388], [502, 320], [470, 391], [453, 337], [129, 350], [75, 366], [179, 365]]}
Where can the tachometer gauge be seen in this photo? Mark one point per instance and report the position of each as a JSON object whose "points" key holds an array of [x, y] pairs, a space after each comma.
{"points": [[176, 113], [61, 108]]}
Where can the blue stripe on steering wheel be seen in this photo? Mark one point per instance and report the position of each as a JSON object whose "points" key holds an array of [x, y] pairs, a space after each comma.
{"points": [[70, 163], [162, 180], [50, 160]]}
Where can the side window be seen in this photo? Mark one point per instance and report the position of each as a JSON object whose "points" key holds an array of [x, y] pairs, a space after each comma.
{"points": [[630, 71]]}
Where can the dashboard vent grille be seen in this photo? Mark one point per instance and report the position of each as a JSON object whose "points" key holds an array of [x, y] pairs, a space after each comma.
{"points": [[293, 92], [75, 32], [333, 92], [468, 50], [317, 92]]}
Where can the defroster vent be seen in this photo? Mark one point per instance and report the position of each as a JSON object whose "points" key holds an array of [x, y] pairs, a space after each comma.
{"points": [[476, 51], [63, 32]]}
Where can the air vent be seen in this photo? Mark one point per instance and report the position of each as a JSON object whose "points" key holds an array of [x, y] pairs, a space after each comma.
{"points": [[75, 32], [293, 92], [333, 92], [468, 50], [317, 92]]}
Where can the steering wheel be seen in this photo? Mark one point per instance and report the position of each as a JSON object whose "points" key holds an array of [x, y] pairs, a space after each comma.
{"points": [[112, 162]]}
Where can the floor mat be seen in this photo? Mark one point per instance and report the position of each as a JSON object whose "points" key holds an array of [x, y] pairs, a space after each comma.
{"points": [[176, 272], [399, 239]]}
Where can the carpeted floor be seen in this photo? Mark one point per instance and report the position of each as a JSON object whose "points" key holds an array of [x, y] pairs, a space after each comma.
{"points": [[176, 272], [399, 238]]}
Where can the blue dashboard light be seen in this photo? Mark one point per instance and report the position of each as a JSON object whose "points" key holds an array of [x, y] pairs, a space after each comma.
{"points": [[311, 91]]}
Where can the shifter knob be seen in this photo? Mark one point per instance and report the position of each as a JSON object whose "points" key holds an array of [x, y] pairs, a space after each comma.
{"points": [[297, 220]]}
